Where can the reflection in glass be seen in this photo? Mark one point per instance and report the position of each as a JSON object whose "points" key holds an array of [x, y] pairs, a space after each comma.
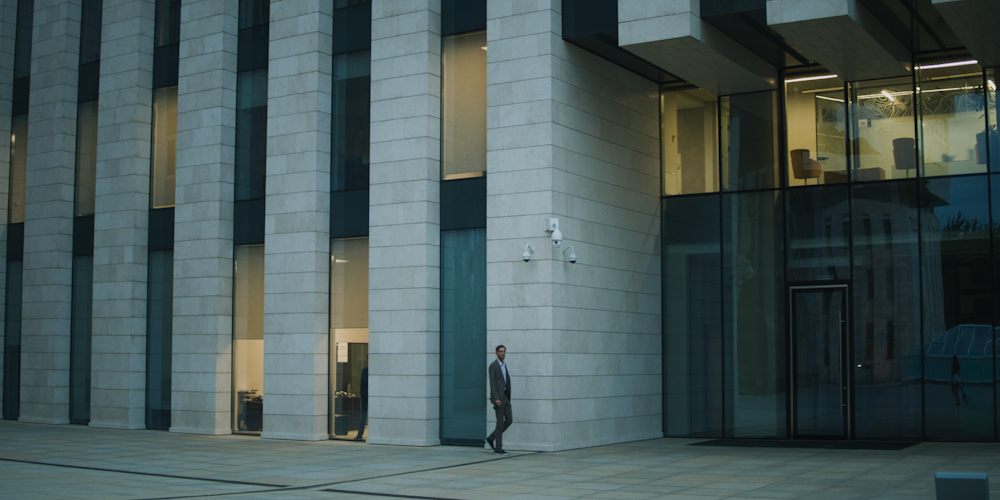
{"points": [[80, 339], [86, 157], [351, 120], [995, 207], [991, 137], [251, 134], [167, 30], [248, 339], [18, 166], [349, 338], [12, 342], [886, 318], [164, 147], [952, 121], [817, 131], [463, 68], [463, 334], [754, 340], [159, 328], [749, 141], [819, 316], [689, 122], [818, 230], [692, 350], [253, 13], [882, 116], [958, 309]]}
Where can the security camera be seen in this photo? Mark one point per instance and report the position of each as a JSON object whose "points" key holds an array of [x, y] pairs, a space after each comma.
{"points": [[526, 256], [572, 254], [553, 227]]}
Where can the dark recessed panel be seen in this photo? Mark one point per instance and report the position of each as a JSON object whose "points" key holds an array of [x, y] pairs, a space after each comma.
{"points": [[22, 89], [90, 77], [161, 229], [165, 61], [15, 241], [83, 235], [248, 222], [589, 17], [463, 203], [252, 48], [462, 16], [349, 213]]}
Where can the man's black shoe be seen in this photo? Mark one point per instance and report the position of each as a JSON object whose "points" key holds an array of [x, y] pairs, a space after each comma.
{"points": [[500, 451], [489, 441]]}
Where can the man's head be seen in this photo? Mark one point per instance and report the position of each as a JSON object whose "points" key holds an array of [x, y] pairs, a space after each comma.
{"points": [[501, 352]]}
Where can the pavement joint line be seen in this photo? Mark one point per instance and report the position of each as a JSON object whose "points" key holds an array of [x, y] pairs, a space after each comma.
{"points": [[172, 476], [357, 480], [391, 495]]}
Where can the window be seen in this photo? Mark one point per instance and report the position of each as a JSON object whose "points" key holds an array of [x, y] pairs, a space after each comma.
{"points": [[351, 120], [248, 339], [159, 329], [952, 120], [12, 342], [167, 30], [749, 141], [164, 147], [882, 117], [689, 136], [349, 338], [817, 130], [251, 134], [18, 166], [80, 339], [86, 157], [463, 68]]}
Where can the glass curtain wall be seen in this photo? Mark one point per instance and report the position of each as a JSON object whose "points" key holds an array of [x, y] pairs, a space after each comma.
{"points": [[86, 158], [463, 333], [159, 345], [251, 134], [463, 106], [349, 338], [80, 337], [892, 230], [690, 145], [18, 167], [164, 147], [351, 119], [248, 340], [12, 342]]}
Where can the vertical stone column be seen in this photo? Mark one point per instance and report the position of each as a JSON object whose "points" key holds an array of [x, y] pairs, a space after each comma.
{"points": [[572, 136], [297, 221], [405, 257], [203, 220], [8, 29], [48, 224], [124, 136]]}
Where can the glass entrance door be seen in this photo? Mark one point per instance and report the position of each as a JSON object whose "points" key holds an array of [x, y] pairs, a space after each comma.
{"points": [[819, 346]]}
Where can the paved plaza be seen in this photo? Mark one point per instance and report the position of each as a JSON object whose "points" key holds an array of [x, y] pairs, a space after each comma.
{"points": [[58, 462]]}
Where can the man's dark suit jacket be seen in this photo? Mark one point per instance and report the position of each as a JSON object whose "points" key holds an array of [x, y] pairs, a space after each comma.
{"points": [[499, 387]]}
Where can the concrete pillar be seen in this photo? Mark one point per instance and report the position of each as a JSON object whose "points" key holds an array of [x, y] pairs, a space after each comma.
{"points": [[297, 221], [124, 136], [203, 220], [48, 226], [405, 256], [571, 136], [8, 29]]}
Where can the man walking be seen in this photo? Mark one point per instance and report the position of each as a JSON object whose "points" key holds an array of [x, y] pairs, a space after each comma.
{"points": [[500, 397]]}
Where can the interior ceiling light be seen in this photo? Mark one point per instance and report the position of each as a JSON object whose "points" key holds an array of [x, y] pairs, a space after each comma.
{"points": [[891, 98], [949, 64], [992, 85], [811, 78], [829, 98]]}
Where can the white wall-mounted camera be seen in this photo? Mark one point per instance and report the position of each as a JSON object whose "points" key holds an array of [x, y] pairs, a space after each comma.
{"points": [[526, 256], [572, 255], [552, 226]]}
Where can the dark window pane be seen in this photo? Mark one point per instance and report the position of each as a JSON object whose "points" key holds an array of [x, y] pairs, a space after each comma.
{"points": [[692, 305], [351, 120], [12, 342], [90, 31], [749, 141], [167, 30], [80, 340], [159, 331], [463, 334], [253, 12], [251, 134], [957, 309], [753, 298], [22, 45], [18, 166], [818, 232], [86, 157], [887, 400], [340, 4]]}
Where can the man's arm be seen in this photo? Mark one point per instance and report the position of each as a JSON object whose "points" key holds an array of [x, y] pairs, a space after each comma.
{"points": [[495, 376]]}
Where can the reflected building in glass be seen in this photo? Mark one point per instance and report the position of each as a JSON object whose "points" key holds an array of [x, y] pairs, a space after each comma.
{"points": [[324, 230]]}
